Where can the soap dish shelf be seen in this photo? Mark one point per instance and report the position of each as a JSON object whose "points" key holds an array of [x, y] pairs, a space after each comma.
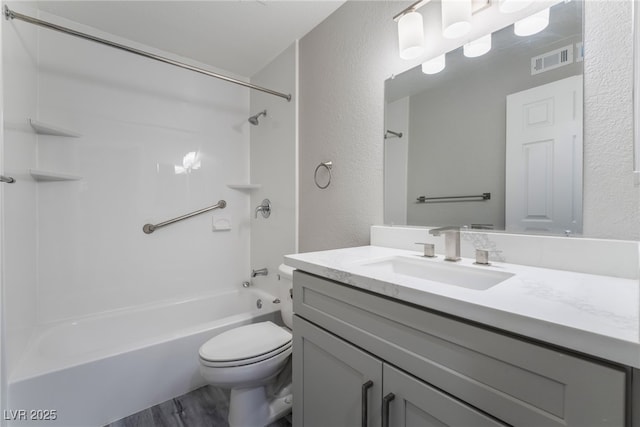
{"points": [[49, 176], [42, 128], [246, 187]]}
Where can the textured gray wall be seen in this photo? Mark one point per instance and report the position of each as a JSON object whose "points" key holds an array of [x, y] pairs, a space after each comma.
{"points": [[343, 64], [611, 202]]}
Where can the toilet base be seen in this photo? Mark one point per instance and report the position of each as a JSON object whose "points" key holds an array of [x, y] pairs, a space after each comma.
{"points": [[251, 407]]}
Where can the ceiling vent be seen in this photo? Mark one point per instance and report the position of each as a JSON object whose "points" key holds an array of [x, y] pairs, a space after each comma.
{"points": [[551, 60]]}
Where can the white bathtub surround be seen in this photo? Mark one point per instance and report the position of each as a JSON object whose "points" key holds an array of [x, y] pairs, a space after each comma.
{"points": [[617, 258], [101, 368], [591, 314], [155, 142], [19, 204]]}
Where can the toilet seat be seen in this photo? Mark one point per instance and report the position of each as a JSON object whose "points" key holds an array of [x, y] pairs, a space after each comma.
{"points": [[245, 345], [243, 362]]}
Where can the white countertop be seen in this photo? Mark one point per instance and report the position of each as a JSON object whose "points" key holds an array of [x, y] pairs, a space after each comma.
{"points": [[595, 315]]}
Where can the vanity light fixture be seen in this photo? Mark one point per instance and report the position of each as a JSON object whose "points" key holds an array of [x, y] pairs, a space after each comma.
{"points": [[477, 47], [456, 18], [510, 6], [435, 65], [411, 35], [456, 21], [532, 24]]}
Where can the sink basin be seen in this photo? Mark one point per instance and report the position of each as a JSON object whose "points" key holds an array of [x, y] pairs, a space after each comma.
{"points": [[440, 271]]}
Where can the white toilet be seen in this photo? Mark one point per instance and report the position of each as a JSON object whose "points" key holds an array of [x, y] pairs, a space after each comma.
{"points": [[249, 360]]}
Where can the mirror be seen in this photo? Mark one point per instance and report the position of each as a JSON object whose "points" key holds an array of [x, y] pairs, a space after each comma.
{"points": [[492, 142]]}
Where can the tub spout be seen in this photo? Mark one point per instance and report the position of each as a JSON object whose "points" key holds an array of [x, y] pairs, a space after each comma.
{"points": [[259, 272]]}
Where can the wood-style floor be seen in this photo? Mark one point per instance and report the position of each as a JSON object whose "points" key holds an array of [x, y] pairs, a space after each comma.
{"points": [[205, 407]]}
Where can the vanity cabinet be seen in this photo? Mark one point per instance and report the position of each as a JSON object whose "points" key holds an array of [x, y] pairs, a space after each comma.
{"points": [[345, 386], [441, 370]]}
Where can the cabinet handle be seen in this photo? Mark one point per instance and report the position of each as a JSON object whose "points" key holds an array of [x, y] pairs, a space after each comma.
{"points": [[365, 402], [385, 408]]}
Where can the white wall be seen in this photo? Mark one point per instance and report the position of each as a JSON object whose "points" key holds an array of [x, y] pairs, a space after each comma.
{"points": [[273, 166], [19, 200], [343, 64]]}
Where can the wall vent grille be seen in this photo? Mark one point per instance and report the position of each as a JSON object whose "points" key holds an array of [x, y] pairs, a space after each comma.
{"points": [[552, 60]]}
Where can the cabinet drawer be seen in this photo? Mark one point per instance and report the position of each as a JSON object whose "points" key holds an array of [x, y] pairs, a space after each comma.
{"points": [[519, 382]]}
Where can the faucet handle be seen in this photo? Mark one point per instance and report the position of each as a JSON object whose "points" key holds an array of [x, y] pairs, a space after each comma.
{"points": [[482, 257], [265, 208], [429, 249]]}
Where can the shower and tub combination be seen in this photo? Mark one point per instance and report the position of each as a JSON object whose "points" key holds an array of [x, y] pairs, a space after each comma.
{"points": [[102, 319]]}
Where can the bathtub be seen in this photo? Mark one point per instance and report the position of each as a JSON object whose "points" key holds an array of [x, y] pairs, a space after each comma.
{"points": [[98, 369]]}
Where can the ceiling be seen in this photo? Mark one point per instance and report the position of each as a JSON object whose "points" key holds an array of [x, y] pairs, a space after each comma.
{"points": [[240, 36]]}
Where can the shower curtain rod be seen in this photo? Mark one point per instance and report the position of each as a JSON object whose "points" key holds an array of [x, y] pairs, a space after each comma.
{"points": [[10, 14]]}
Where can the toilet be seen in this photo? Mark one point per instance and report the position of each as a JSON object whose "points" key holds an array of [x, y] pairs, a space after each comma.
{"points": [[252, 360]]}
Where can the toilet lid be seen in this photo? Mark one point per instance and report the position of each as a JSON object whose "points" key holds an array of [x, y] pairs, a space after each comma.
{"points": [[245, 342]]}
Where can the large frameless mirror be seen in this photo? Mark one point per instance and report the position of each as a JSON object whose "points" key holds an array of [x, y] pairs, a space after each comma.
{"points": [[495, 141]]}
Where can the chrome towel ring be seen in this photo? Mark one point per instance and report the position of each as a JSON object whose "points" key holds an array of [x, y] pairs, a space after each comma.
{"points": [[327, 165]]}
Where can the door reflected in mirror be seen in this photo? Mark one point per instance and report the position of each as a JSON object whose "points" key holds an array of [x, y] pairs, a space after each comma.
{"points": [[495, 141]]}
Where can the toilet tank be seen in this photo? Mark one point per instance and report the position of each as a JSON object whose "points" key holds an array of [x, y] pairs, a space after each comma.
{"points": [[285, 286]]}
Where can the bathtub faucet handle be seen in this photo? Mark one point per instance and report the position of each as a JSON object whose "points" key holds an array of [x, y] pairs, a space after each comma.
{"points": [[265, 208], [246, 284]]}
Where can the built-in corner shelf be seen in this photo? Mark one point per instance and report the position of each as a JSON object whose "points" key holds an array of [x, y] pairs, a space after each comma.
{"points": [[44, 176], [247, 187], [42, 128]]}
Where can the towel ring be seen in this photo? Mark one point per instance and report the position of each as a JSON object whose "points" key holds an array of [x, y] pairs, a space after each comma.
{"points": [[327, 166]]}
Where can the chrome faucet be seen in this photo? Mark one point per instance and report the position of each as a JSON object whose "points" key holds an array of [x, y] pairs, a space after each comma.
{"points": [[451, 241], [260, 272]]}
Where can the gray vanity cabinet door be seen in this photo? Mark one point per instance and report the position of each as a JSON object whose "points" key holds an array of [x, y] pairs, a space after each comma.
{"points": [[416, 404], [328, 378]]}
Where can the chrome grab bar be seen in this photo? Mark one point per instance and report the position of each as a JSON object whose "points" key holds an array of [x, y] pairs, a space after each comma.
{"points": [[444, 199], [150, 228]]}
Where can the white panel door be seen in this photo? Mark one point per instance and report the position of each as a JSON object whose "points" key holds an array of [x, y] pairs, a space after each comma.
{"points": [[544, 158]]}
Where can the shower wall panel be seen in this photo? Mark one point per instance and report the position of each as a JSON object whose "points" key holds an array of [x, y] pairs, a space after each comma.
{"points": [[19, 232], [156, 142], [273, 165]]}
